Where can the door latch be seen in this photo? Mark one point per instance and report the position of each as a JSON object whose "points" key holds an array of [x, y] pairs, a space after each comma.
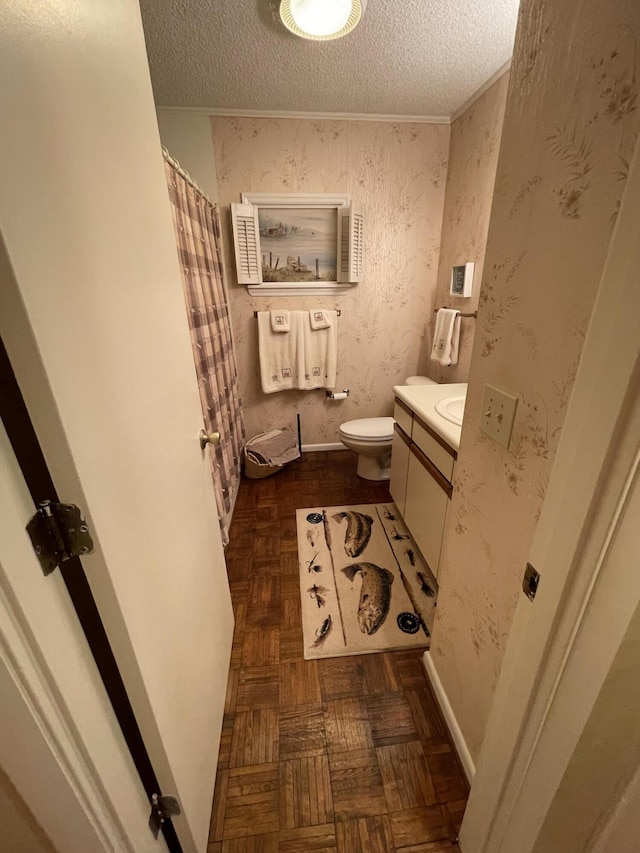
{"points": [[58, 532], [162, 808], [530, 582]]}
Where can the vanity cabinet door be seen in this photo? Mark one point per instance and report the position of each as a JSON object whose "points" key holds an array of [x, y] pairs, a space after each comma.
{"points": [[425, 509], [438, 451], [399, 468]]}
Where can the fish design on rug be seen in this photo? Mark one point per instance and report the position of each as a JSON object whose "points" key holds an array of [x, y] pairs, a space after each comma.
{"points": [[358, 531], [375, 595]]}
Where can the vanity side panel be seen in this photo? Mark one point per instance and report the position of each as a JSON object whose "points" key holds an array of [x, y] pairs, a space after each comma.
{"points": [[399, 469]]}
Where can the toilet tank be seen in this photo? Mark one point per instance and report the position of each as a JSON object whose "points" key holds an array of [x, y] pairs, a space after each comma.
{"points": [[419, 380]]}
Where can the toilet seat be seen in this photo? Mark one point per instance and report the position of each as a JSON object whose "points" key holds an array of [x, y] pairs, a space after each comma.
{"points": [[369, 429]]}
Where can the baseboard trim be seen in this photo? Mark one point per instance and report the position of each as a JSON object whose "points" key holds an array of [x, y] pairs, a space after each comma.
{"points": [[450, 718], [310, 448]]}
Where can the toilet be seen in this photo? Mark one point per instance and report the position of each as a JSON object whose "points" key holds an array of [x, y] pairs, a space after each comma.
{"points": [[371, 439]]}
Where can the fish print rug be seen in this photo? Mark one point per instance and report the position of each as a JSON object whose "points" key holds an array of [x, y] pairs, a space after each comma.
{"points": [[363, 583]]}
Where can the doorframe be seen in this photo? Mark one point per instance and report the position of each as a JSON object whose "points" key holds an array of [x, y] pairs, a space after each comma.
{"points": [[26, 447], [521, 763], [81, 790], [48, 738]]}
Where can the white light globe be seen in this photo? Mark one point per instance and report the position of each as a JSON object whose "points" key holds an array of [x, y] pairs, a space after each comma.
{"points": [[320, 17], [321, 20]]}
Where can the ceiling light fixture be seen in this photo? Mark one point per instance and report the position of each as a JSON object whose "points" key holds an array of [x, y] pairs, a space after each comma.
{"points": [[321, 19]]}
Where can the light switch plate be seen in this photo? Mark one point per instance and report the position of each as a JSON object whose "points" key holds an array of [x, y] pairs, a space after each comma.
{"points": [[498, 414]]}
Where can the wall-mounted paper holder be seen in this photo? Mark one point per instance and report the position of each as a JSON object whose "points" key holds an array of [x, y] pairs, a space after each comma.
{"points": [[338, 395]]}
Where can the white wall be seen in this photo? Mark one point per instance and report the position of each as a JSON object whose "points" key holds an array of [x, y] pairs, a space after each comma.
{"points": [[564, 718], [187, 136], [548, 239]]}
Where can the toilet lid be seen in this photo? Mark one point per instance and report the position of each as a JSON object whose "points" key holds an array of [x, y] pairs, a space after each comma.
{"points": [[369, 428]]}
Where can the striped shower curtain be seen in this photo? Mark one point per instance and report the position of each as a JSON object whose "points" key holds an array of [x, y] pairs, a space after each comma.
{"points": [[197, 229]]}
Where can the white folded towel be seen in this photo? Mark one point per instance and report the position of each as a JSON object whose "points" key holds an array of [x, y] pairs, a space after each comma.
{"points": [[280, 321], [320, 319], [282, 356], [321, 353], [446, 337], [303, 359]]}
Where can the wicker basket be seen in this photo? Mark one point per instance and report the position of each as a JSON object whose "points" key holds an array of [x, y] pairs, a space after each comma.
{"points": [[255, 470]]}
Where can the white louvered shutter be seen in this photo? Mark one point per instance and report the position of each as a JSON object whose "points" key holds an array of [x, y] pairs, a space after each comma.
{"points": [[350, 244], [246, 239]]}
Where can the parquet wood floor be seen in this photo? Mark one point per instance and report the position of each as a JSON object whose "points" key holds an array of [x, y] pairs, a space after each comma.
{"points": [[344, 755]]}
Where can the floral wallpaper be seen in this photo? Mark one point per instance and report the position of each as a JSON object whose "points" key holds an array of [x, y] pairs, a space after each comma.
{"points": [[570, 130], [473, 158], [396, 174]]}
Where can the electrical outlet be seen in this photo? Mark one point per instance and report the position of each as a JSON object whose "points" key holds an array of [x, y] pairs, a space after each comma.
{"points": [[498, 413]]}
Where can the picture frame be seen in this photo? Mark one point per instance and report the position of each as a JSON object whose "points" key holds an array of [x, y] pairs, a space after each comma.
{"points": [[298, 236], [462, 279]]}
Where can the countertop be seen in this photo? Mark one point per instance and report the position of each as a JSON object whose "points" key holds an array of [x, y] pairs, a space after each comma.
{"points": [[422, 399]]}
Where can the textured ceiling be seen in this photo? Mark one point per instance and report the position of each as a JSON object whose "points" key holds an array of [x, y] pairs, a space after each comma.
{"points": [[407, 57]]}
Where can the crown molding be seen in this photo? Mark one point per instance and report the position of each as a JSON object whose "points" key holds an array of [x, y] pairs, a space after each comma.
{"points": [[504, 69], [280, 114], [381, 117]]}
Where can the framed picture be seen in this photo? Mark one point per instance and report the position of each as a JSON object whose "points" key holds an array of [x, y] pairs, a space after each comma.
{"points": [[297, 237], [298, 243], [462, 279]]}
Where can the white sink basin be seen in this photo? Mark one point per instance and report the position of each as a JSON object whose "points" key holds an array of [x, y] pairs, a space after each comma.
{"points": [[451, 408]]}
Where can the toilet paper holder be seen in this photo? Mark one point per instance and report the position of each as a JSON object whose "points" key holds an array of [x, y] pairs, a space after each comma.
{"points": [[338, 395]]}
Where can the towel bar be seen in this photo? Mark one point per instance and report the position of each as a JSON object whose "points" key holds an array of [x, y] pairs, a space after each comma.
{"points": [[338, 312], [462, 314]]}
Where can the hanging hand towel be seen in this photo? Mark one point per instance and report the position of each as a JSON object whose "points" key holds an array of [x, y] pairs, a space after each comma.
{"points": [[446, 337], [320, 319], [321, 352], [280, 321], [282, 364]]}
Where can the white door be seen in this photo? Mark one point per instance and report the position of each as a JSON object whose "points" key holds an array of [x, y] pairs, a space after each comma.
{"points": [[93, 319], [562, 739]]}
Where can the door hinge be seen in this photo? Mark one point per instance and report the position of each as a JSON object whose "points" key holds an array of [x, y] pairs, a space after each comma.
{"points": [[58, 532], [530, 582], [162, 808]]}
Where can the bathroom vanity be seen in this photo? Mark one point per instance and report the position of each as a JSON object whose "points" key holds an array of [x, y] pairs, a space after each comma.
{"points": [[424, 452]]}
